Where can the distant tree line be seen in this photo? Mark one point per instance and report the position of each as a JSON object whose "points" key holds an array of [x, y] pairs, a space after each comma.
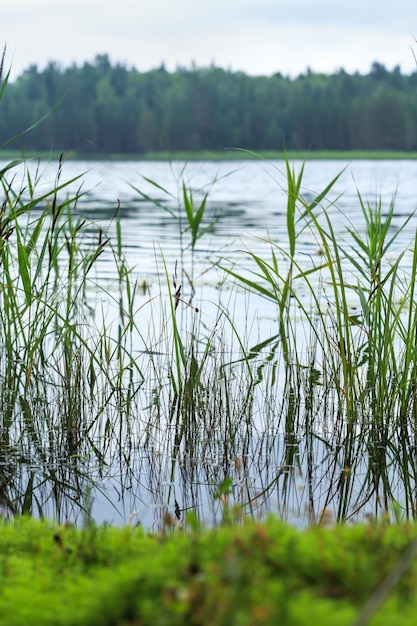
{"points": [[105, 108]]}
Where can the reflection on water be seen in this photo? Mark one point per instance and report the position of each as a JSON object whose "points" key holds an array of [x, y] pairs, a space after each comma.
{"points": [[158, 460]]}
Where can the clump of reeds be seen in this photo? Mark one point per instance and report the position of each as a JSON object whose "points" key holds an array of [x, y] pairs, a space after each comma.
{"points": [[66, 374], [349, 350]]}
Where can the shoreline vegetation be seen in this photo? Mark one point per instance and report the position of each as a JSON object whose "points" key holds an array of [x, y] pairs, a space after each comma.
{"points": [[219, 155]]}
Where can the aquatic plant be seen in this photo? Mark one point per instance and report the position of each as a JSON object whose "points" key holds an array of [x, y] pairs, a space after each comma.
{"points": [[347, 323], [65, 373]]}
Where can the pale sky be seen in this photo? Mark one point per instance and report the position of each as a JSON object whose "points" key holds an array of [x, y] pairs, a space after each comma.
{"points": [[256, 36]]}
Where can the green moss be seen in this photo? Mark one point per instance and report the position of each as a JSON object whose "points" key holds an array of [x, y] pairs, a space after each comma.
{"points": [[244, 575]]}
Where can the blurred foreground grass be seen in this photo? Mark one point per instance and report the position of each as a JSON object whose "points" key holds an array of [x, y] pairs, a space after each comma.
{"points": [[256, 573]]}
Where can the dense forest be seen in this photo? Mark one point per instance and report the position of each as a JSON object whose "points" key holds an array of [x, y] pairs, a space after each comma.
{"points": [[105, 108]]}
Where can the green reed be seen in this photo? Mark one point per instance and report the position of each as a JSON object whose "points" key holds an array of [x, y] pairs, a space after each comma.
{"points": [[64, 376], [356, 338], [335, 385]]}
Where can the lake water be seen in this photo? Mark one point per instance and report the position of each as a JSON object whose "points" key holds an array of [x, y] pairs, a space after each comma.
{"points": [[248, 197], [249, 200]]}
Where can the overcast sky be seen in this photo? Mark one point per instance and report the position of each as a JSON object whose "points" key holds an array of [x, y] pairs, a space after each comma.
{"points": [[256, 36]]}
